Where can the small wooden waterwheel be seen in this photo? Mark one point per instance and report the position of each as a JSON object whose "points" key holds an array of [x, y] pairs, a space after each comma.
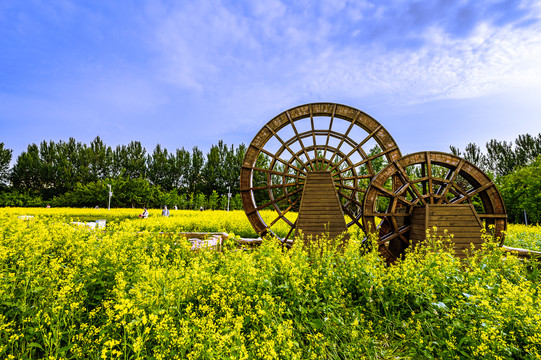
{"points": [[426, 189], [316, 159]]}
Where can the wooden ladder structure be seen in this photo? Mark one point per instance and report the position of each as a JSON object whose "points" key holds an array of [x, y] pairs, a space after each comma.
{"points": [[320, 210]]}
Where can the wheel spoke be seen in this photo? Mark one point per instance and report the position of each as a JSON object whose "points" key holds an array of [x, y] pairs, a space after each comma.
{"points": [[359, 146], [347, 187], [398, 233], [290, 231], [474, 192], [273, 201], [350, 198], [493, 216], [430, 176], [358, 177], [329, 133], [423, 179], [370, 159], [346, 134], [313, 127], [270, 171], [265, 187], [284, 144], [354, 219], [453, 175], [282, 214], [299, 139], [384, 190], [407, 180], [275, 157]]}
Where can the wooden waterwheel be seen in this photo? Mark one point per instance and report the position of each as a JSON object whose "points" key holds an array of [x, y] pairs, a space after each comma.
{"points": [[428, 189], [307, 157]]}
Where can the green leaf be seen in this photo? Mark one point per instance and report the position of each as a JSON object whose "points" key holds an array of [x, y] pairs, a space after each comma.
{"points": [[35, 345]]}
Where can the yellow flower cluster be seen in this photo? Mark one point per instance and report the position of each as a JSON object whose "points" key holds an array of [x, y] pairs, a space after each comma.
{"points": [[126, 291], [524, 236]]}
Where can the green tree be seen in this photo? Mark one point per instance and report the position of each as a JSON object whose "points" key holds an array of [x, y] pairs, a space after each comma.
{"points": [[527, 149], [129, 160], [500, 157], [213, 200], [70, 166], [212, 172], [222, 202], [197, 161], [236, 202], [90, 194], [99, 159], [521, 191], [159, 168], [190, 201], [200, 201], [179, 166], [474, 155], [26, 173], [134, 192], [260, 179], [16, 198], [5, 160], [232, 166]]}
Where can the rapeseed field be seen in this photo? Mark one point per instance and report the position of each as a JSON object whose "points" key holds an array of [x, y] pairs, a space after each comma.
{"points": [[130, 292]]}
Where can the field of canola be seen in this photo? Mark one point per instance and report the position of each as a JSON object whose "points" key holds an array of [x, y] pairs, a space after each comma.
{"points": [[68, 292]]}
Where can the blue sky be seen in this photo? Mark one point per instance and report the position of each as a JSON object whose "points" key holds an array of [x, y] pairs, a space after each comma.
{"points": [[189, 73]]}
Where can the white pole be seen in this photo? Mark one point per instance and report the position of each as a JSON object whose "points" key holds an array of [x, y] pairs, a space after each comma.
{"points": [[228, 196], [525, 218], [110, 194]]}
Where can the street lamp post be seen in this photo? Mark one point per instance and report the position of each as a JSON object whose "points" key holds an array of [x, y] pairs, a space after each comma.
{"points": [[110, 194], [228, 196]]}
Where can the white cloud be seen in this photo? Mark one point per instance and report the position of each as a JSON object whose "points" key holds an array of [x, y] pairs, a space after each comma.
{"points": [[444, 67], [271, 47], [236, 63]]}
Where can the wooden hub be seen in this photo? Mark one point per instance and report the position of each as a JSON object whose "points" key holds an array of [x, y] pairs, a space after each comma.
{"points": [[320, 211]]}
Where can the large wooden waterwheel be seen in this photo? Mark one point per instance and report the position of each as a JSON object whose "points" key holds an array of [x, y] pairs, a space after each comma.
{"points": [[428, 189], [315, 149]]}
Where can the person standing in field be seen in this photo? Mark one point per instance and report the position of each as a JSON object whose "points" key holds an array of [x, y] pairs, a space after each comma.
{"points": [[144, 215], [165, 211]]}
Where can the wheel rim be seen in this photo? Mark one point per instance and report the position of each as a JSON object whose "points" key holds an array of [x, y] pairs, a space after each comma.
{"points": [[311, 137]]}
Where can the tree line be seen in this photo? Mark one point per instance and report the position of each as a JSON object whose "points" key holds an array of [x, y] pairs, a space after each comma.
{"points": [[516, 170], [71, 173]]}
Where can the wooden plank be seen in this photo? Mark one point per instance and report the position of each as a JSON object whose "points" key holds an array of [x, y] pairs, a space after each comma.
{"points": [[457, 231], [450, 215], [317, 199], [458, 225], [321, 221], [320, 210], [460, 221], [319, 224]]}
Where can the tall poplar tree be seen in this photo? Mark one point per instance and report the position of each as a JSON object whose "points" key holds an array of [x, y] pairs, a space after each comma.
{"points": [[5, 160]]}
